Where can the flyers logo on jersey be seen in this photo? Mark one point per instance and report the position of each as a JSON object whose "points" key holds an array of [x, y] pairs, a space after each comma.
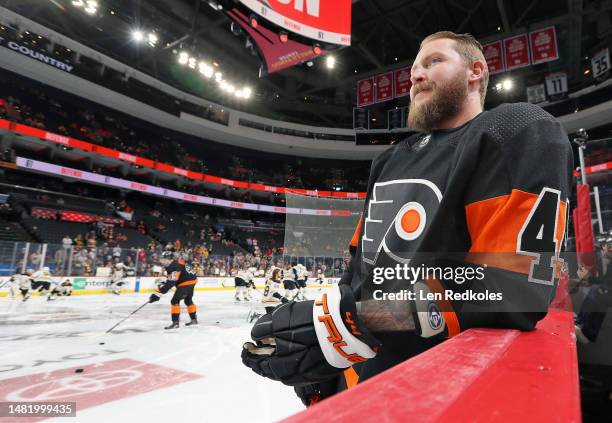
{"points": [[398, 214]]}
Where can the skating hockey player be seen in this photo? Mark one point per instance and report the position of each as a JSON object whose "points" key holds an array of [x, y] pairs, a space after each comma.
{"points": [[490, 185], [118, 278], [320, 278], [25, 284], [158, 273], [251, 282], [42, 281], [64, 289], [181, 276], [271, 294], [13, 284], [289, 282], [242, 280], [301, 280]]}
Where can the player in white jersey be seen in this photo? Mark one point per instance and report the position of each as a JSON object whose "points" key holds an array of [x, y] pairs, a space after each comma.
{"points": [[289, 282], [242, 280], [117, 278], [158, 273], [42, 281], [13, 284], [320, 278], [271, 294], [25, 284], [301, 280]]}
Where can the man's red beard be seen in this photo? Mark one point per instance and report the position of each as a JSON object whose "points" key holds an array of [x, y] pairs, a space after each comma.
{"points": [[444, 103]]}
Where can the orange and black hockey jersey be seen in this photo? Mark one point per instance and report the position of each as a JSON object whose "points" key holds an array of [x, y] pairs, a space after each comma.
{"points": [[493, 194], [179, 274]]}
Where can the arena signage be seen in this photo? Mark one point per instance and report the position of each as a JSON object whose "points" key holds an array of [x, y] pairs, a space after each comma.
{"points": [[110, 181], [36, 55], [323, 20]]}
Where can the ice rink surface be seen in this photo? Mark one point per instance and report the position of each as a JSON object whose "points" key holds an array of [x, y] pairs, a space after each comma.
{"points": [[138, 373]]}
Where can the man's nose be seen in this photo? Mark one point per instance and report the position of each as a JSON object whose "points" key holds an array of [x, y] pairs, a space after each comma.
{"points": [[417, 75]]}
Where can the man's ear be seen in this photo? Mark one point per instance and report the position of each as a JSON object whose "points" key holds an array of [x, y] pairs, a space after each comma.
{"points": [[476, 71]]}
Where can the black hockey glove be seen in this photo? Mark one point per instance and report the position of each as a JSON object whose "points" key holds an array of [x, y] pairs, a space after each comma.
{"points": [[154, 297], [310, 341]]}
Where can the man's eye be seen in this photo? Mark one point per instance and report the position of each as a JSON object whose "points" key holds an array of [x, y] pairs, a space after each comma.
{"points": [[435, 60]]}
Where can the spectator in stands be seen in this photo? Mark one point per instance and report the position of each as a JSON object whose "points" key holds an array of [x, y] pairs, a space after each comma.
{"points": [[78, 241], [66, 242]]}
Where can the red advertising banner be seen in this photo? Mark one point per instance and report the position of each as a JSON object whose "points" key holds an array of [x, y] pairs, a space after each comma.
{"points": [[494, 55], [516, 51], [384, 87], [543, 43], [108, 152], [324, 20], [276, 54], [365, 92], [402, 81]]}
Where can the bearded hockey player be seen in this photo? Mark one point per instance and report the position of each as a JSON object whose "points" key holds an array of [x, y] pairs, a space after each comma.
{"points": [[181, 276], [480, 192]]}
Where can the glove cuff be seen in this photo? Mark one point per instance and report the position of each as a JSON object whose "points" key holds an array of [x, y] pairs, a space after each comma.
{"points": [[338, 331]]}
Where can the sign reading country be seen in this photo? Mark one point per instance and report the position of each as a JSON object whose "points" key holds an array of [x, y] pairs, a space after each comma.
{"points": [[323, 20], [543, 44], [384, 87], [494, 56], [36, 55], [516, 51]]}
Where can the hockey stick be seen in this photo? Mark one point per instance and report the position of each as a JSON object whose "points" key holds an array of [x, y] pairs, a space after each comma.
{"points": [[128, 316]]}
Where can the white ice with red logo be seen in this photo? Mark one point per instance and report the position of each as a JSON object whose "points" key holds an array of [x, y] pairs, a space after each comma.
{"points": [[141, 372]]}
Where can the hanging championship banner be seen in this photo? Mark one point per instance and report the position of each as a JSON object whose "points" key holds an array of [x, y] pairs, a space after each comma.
{"points": [[600, 62], [494, 56], [516, 51], [365, 92], [543, 43], [384, 87], [323, 20], [536, 94], [556, 83], [402, 81]]}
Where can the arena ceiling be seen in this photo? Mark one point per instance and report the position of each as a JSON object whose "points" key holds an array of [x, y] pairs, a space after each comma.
{"points": [[386, 35]]}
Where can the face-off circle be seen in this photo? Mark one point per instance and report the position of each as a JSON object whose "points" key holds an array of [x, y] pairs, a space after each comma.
{"points": [[410, 221]]}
